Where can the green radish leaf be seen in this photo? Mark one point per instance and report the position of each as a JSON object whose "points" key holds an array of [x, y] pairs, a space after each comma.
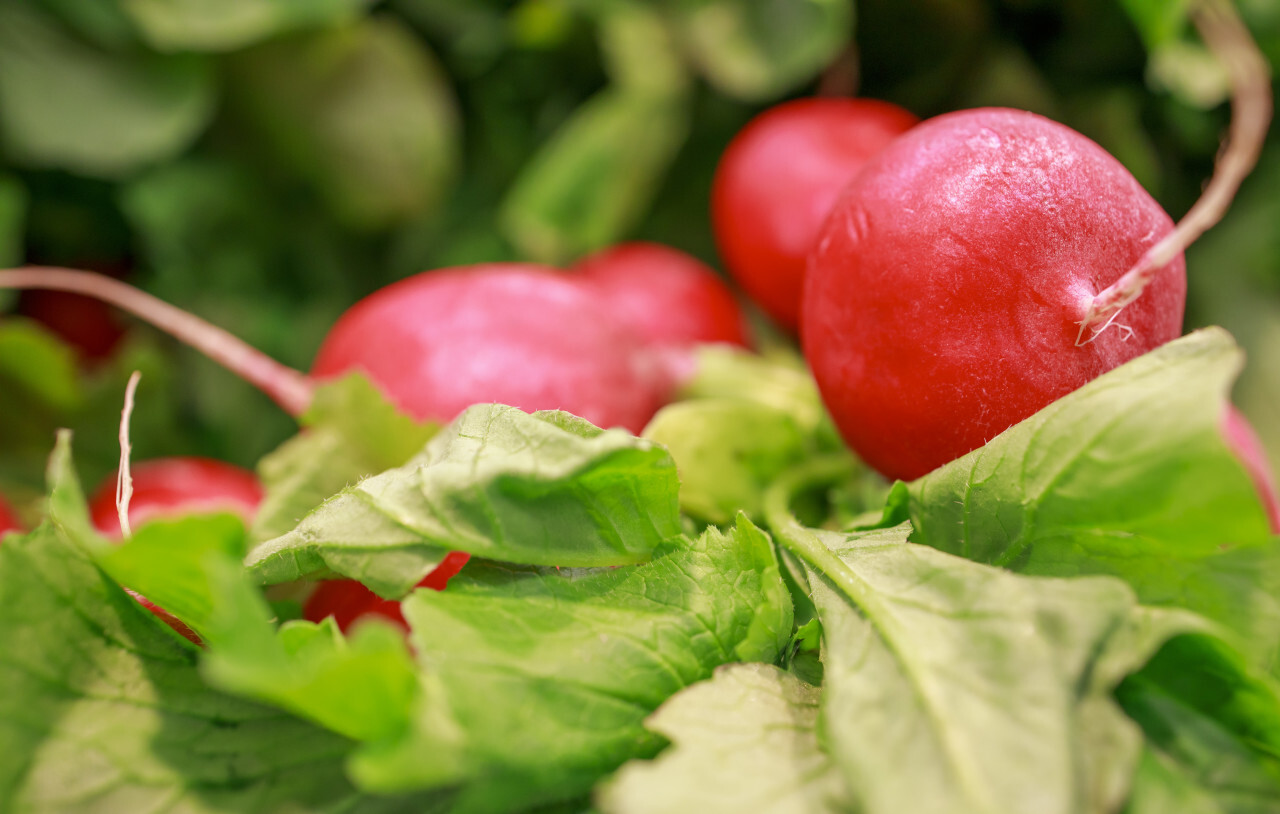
{"points": [[165, 562], [362, 686], [101, 703], [727, 452], [351, 432], [597, 175], [746, 740], [1128, 476], [1212, 728], [361, 112], [67, 105], [954, 686], [538, 681], [760, 50], [189, 25], [546, 488]]}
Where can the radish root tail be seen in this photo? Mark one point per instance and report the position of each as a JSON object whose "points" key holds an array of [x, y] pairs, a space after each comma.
{"points": [[1230, 41], [289, 388]]}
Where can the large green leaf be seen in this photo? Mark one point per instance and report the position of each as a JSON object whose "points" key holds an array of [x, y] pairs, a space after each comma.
{"points": [[1128, 476], [102, 707], [362, 688], [546, 488], [746, 740], [66, 105], [1212, 728], [538, 681], [955, 687], [192, 25], [361, 112]]}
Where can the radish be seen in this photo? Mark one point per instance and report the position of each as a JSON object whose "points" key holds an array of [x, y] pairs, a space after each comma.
{"points": [[991, 261], [666, 296], [347, 600], [175, 486], [519, 334], [8, 520], [943, 299], [778, 179], [1245, 444]]}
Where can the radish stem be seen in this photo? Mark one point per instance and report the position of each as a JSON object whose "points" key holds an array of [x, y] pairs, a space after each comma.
{"points": [[289, 388], [1229, 40]]}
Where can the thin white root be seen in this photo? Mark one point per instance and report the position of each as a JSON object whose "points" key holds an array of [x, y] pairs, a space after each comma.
{"points": [[124, 480], [1230, 41], [289, 388]]}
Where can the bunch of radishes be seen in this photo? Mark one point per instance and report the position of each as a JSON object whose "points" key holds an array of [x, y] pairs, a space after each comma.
{"points": [[941, 276]]}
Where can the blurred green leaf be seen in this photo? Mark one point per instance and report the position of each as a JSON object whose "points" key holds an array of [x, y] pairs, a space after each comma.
{"points": [[195, 25], [66, 104], [638, 48], [13, 216], [34, 363], [761, 49], [1159, 22], [727, 452], [102, 22], [362, 113], [596, 176]]}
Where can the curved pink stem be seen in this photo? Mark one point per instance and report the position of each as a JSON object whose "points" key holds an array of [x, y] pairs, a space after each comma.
{"points": [[289, 388], [1230, 41]]}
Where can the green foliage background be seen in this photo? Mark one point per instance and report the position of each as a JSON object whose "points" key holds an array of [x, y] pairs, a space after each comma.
{"points": [[266, 163]]}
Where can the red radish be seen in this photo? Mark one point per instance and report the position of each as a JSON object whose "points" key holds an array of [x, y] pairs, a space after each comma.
{"points": [[777, 181], [668, 297], [87, 324], [8, 520], [175, 486], [518, 334], [1244, 442], [944, 298], [346, 600]]}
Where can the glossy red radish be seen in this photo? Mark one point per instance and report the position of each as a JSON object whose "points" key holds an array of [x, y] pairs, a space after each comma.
{"points": [[778, 179], [176, 486], [86, 324], [519, 334], [944, 295], [346, 600], [1244, 442], [668, 297]]}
